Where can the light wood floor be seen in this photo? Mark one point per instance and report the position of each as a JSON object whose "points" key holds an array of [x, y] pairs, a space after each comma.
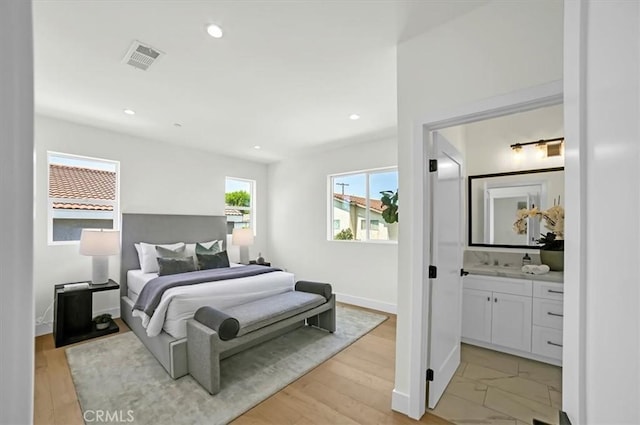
{"points": [[353, 387]]}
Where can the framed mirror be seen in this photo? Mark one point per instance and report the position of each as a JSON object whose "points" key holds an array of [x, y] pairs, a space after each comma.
{"points": [[495, 199]]}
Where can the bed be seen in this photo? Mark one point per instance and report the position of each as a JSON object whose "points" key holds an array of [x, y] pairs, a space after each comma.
{"points": [[164, 333]]}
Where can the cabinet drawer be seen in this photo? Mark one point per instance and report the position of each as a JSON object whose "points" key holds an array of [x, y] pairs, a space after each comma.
{"points": [[503, 285], [547, 342], [548, 290], [548, 313]]}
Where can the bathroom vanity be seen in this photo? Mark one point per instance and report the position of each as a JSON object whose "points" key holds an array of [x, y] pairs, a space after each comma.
{"points": [[506, 310]]}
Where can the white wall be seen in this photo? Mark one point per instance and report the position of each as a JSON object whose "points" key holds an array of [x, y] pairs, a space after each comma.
{"points": [[154, 178], [361, 273], [487, 142], [601, 373], [496, 49], [16, 207]]}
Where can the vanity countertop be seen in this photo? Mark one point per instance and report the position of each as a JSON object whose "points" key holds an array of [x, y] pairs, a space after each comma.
{"points": [[512, 272]]}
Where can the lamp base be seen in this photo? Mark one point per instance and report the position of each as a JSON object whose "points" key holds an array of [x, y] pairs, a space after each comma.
{"points": [[244, 255], [100, 270]]}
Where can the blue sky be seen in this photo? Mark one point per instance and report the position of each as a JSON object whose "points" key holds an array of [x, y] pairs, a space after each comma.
{"points": [[235, 185], [82, 162], [357, 183]]}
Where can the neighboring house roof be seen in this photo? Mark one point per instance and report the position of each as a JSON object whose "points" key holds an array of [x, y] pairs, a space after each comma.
{"points": [[375, 204], [232, 211], [76, 183]]}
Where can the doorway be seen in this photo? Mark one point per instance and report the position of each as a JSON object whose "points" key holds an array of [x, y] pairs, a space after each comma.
{"points": [[526, 100]]}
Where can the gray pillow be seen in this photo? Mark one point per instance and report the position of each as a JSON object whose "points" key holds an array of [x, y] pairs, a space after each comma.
{"points": [[171, 253], [212, 250], [213, 261], [167, 266]]}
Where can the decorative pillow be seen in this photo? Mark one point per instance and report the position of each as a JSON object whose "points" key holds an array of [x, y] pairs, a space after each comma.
{"points": [[201, 249], [171, 253], [213, 261], [149, 263], [191, 248], [168, 266]]}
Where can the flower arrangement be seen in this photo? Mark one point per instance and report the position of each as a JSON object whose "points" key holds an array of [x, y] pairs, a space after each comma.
{"points": [[554, 222]]}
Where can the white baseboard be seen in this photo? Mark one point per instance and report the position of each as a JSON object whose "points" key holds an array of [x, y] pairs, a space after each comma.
{"points": [[400, 402], [47, 327], [44, 328], [367, 303]]}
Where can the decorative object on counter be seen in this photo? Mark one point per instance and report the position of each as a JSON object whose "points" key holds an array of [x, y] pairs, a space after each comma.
{"points": [[552, 249], [102, 321], [526, 260], [260, 259], [534, 269], [389, 200]]}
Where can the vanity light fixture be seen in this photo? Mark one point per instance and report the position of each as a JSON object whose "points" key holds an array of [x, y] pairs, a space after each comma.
{"points": [[546, 147]]}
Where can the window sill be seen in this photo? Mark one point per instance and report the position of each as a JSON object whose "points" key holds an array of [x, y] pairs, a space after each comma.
{"points": [[373, 242]]}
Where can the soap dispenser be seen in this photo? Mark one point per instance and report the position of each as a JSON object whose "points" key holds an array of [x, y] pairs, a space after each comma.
{"points": [[526, 260]]}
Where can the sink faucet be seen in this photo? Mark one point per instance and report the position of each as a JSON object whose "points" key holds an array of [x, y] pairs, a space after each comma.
{"points": [[496, 263]]}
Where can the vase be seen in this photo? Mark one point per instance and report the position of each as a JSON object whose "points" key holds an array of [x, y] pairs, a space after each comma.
{"points": [[553, 259]]}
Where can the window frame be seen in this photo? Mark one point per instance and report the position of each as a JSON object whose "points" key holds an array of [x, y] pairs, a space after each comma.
{"points": [[330, 209], [252, 200], [51, 201]]}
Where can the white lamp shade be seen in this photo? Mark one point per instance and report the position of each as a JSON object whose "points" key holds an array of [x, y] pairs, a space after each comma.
{"points": [[242, 237], [99, 242]]}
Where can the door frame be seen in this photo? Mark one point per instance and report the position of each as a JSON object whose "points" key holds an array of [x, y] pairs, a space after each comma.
{"points": [[520, 101]]}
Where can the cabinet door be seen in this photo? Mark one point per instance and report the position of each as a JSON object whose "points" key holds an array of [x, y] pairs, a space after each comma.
{"points": [[511, 324], [476, 314]]}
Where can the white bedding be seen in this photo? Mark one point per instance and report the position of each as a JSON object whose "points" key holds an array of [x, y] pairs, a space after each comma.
{"points": [[180, 304]]}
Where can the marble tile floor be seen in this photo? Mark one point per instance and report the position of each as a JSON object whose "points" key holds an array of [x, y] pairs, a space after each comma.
{"points": [[497, 388]]}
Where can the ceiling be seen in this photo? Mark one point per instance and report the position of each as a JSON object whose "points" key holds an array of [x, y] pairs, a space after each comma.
{"points": [[286, 76]]}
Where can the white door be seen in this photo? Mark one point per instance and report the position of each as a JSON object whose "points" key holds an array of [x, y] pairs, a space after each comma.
{"points": [[443, 349], [476, 315], [511, 324]]}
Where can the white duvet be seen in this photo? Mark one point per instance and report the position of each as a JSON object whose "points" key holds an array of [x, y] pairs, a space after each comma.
{"points": [[180, 304]]}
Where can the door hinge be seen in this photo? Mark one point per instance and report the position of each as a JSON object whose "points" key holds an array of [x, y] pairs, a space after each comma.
{"points": [[463, 272], [433, 165], [433, 272], [429, 374]]}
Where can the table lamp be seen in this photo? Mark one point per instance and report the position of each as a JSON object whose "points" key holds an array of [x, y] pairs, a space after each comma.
{"points": [[99, 244], [243, 238]]}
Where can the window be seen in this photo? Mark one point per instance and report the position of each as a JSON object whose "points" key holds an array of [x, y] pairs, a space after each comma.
{"points": [[355, 201], [83, 193], [239, 201]]}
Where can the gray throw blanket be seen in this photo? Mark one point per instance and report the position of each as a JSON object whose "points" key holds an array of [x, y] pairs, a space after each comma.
{"points": [[151, 293]]}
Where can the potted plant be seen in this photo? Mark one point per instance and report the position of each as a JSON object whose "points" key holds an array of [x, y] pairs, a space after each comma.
{"points": [[552, 244], [102, 321], [389, 200]]}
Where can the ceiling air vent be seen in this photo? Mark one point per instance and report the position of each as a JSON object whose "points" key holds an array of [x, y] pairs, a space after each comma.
{"points": [[141, 56]]}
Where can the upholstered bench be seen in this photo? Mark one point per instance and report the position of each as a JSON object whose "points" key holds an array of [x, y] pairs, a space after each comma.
{"points": [[213, 334]]}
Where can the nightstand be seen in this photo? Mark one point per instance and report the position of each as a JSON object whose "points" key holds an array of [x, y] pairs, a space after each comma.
{"points": [[266, 264], [72, 320]]}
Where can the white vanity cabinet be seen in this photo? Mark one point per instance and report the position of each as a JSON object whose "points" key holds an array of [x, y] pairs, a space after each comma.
{"points": [[548, 317], [518, 316]]}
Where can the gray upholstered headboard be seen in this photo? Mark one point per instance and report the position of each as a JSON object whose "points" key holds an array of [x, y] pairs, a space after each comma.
{"points": [[159, 228]]}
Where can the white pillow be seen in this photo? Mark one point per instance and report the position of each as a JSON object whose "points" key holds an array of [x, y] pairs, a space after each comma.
{"points": [[149, 255], [190, 250]]}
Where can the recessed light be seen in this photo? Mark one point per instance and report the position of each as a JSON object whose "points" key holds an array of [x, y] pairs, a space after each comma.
{"points": [[129, 112], [257, 147], [214, 31], [354, 117], [177, 124]]}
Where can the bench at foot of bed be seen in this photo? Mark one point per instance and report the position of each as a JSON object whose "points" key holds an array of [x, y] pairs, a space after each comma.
{"points": [[213, 335]]}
